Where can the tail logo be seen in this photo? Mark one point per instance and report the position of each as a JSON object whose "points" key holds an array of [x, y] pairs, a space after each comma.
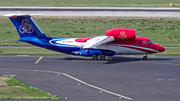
{"points": [[25, 27]]}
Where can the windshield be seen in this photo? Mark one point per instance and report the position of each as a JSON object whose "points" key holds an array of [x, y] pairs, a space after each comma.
{"points": [[151, 41], [147, 42]]}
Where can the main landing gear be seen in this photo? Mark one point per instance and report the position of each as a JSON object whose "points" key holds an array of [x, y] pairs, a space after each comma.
{"points": [[98, 57], [145, 57]]}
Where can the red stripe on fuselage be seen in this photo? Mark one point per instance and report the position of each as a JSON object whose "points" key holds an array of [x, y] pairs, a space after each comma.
{"points": [[137, 43], [83, 39], [140, 49], [13, 15]]}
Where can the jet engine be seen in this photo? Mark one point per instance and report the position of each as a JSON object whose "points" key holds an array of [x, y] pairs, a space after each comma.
{"points": [[122, 34]]}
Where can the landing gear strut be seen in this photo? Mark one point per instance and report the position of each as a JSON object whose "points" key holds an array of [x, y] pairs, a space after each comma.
{"points": [[145, 57]]}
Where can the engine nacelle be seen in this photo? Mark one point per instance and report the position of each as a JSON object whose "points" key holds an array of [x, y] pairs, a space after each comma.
{"points": [[122, 34]]}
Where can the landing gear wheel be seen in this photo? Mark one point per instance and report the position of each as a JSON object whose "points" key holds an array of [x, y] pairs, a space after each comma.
{"points": [[95, 57], [145, 58], [102, 57]]}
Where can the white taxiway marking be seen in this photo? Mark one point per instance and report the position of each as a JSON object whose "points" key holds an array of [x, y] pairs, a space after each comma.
{"points": [[10, 75], [22, 55], [159, 79], [97, 87], [101, 89]]}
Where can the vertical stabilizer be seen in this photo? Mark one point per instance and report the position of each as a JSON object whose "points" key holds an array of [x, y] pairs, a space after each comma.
{"points": [[25, 25]]}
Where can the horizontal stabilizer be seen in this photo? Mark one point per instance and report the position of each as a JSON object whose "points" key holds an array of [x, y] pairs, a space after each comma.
{"points": [[17, 15]]}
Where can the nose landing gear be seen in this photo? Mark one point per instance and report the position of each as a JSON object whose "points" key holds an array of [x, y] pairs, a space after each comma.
{"points": [[145, 57]]}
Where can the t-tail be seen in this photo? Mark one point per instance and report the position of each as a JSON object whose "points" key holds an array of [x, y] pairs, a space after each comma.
{"points": [[27, 28], [25, 25]]}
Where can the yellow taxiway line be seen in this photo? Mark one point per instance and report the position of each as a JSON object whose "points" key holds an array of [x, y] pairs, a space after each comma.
{"points": [[38, 59]]}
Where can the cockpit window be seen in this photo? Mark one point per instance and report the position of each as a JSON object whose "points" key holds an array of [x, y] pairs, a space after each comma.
{"points": [[147, 42], [151, 41]]}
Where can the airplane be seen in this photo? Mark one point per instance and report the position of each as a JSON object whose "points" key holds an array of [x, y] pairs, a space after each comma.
{"points": [[117, 41]]}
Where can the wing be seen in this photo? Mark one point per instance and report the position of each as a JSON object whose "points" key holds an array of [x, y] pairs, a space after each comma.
{"points": [[96, 41]]}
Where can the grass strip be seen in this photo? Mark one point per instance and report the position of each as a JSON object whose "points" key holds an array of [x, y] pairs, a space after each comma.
{"points": [[170, 51], [164, 31], [11, 88], [28, 51], [41, 51], [91, 3]]}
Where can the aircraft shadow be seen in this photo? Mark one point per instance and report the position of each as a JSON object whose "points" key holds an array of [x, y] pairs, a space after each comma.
{"points": [[131, 59], [74, 59], [114, 59]]}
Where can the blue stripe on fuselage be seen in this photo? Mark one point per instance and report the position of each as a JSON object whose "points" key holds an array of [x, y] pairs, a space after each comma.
{"points": [[55, 46]]}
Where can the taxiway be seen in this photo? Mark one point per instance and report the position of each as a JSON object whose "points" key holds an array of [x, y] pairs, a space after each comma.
{"points": [[121, 78]]}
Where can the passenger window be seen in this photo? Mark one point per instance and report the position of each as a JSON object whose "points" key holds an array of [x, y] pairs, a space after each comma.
{"points": [[146, 42]]}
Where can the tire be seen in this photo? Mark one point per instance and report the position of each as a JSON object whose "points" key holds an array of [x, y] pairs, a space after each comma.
{"points": [[145, 58], [102, 57], [95, 57]]}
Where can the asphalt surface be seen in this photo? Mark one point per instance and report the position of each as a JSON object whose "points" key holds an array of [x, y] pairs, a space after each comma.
{"points": [[121, 78], [94, 11]]}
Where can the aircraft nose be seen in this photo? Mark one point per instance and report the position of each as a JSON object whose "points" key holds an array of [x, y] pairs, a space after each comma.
{"points": [[160, 48]]}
